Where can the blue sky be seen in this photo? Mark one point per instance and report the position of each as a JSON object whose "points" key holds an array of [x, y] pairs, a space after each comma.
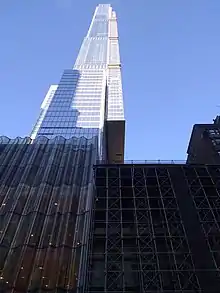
{"points": [[170, 52]]}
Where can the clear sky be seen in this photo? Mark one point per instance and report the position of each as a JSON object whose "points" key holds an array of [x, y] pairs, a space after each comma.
{"points": [[170, 52]]}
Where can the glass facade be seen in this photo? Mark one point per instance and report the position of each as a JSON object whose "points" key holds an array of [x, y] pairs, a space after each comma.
{"points": [[91, 92], [46, 190]]}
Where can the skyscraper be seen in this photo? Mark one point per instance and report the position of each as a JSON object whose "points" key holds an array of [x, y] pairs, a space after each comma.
{"points": [[46, 181], [70, 225], [88, 100]]}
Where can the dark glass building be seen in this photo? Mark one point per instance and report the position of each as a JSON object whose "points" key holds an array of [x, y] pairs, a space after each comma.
{"points": [[204, 145], [46, 189], [155, 228]]}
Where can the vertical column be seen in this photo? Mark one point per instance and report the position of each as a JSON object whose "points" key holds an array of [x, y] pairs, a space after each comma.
{"points": [[115, 98]]}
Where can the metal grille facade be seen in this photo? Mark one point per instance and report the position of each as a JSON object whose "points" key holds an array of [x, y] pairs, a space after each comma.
{"points": [[155, 229]]}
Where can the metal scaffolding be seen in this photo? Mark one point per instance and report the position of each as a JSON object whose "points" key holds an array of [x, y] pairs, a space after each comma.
{"points": [[139, 242], [204, 185]]}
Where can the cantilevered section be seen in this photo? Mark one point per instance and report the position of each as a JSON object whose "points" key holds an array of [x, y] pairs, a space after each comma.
{"points": [[115, 141]]}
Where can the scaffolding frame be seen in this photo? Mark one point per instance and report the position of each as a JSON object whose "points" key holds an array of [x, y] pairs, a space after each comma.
{"points": [[204, 186], [139, 243]]}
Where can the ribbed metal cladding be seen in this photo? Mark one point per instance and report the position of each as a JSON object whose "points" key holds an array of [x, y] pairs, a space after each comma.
{"points": [[46, 189]]}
